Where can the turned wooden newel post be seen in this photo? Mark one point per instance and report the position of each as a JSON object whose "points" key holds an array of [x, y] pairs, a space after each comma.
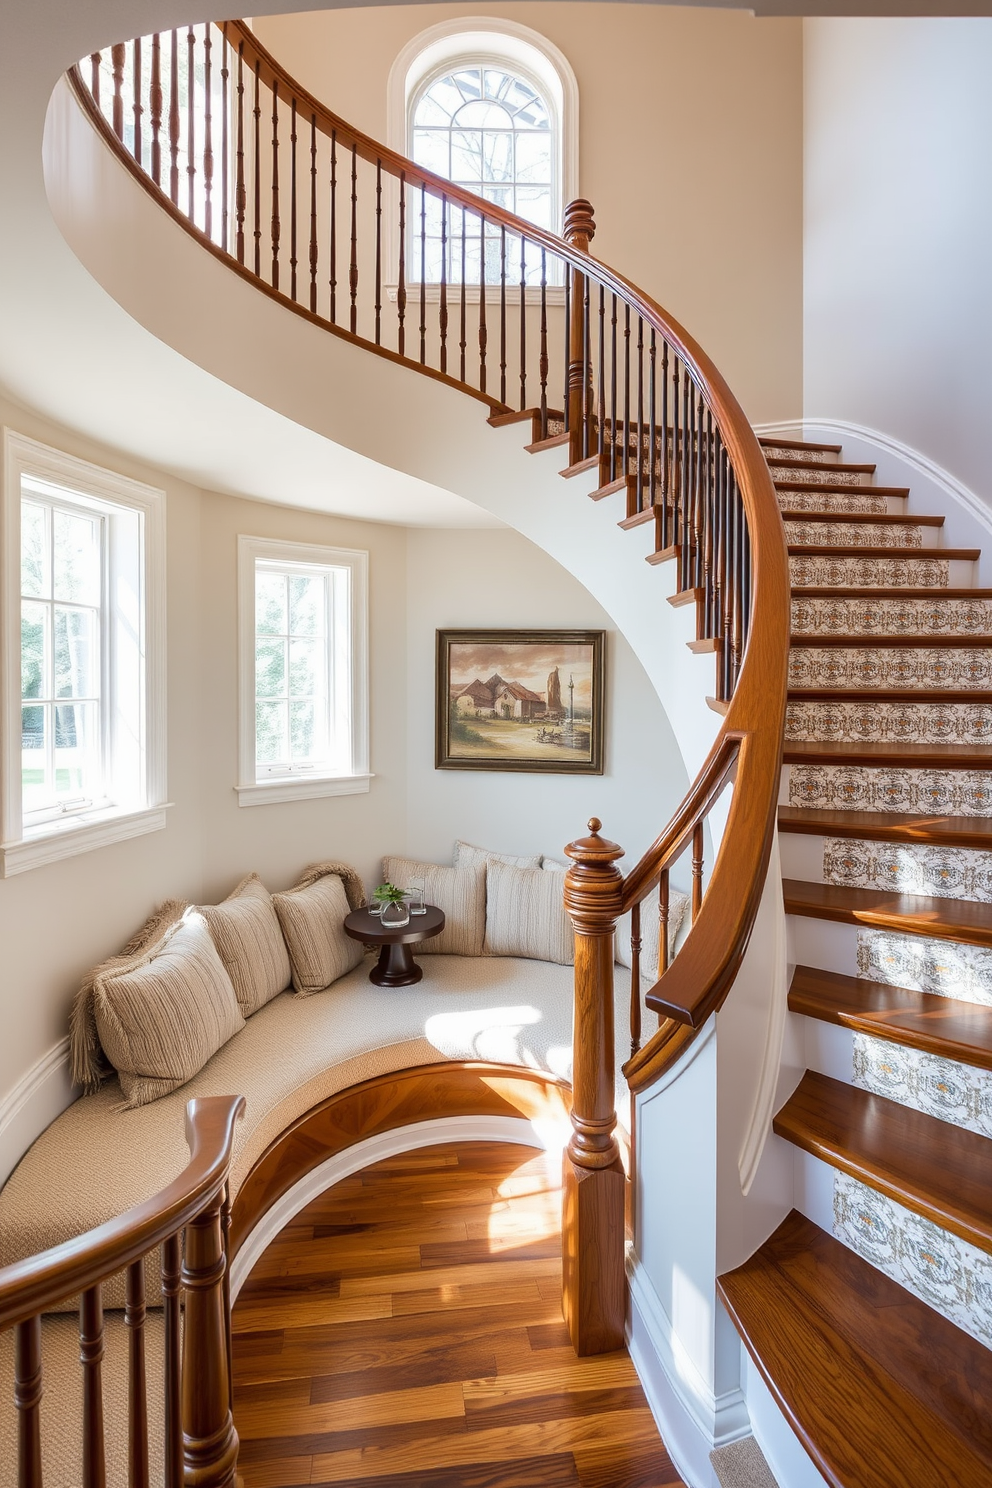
{"points": [[579, 230], [210, 1442], [593, 1287]]}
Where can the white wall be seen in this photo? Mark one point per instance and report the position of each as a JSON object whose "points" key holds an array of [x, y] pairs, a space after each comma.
{"points": [[898, 233]]}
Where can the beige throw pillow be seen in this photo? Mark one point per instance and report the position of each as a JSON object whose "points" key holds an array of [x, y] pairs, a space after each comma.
{"points": [[160, 1019], [525, 915], [651, 932], [246, 932], [312, 920], [469, 856], [459, 892]]}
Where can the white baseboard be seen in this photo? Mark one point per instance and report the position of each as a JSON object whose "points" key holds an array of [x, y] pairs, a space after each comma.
{"points": [[690, 1417], [39, 1096], [375, 1149]]}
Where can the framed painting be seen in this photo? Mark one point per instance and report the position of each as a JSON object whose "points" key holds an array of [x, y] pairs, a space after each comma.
{"points": [[520, 700]]}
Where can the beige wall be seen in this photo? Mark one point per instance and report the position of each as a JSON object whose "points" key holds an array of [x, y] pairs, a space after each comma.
{"points": [[898, 315], [690, 151]]}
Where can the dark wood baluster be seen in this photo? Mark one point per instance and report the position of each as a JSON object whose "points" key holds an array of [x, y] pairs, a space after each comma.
{"points": [[652, 420], [693, 506], [401, 276], [665, 534], [719, 557], [91, 1358], [137, 1390], [275, 225], [663, 922], [95, 59], [700, 498], [191, 124], [566, 396], [601, 405], [136, 109], [314, 252], [240, 200], [174, 119], [442, 305], [118, 57], [502, 313], [543, 366], [635, 978], [293, 140], [334, 227], [378, 253], [626, 391], [706, 460], [523, 322], [614, 450], [353, 267], [208, 135], [257, 117], [210, 1442], [483, 330], [586, 368], [28, 1390], [676, 459], [697, 869], [685, 518], [171, 1272], [225, 142], [463, 336], [423, 274], [639, 495]]}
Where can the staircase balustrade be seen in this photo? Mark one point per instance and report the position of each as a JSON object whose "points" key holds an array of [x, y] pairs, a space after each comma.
{"points": [[189, 1220], [362, 241]]}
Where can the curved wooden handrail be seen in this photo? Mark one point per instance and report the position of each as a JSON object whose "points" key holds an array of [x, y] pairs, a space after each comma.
{"points": [[45, 1280]]}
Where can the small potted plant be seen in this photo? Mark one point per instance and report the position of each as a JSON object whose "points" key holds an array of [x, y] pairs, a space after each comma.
{"points": [[393, 908]]}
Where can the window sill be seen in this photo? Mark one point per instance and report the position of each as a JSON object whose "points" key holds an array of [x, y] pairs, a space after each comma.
{"points": [[67, 839], [305, 788]]}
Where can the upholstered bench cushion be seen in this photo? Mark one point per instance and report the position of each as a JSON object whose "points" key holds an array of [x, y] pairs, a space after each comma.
{"points": [[97, 1160]]}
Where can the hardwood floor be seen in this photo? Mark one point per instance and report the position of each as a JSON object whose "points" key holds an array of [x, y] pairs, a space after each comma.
{"points": [[406, 1330]]}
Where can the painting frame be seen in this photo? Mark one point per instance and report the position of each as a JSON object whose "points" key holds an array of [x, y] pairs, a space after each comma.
{"points": [[557, 741]]}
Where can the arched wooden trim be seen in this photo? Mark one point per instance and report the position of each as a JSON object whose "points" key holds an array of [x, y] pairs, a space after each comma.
{"points": [[386, 1103]]}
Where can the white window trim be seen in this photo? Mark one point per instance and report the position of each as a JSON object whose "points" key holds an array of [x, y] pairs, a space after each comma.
{"points": [[48, 842], [250, 791], [473, 37]]}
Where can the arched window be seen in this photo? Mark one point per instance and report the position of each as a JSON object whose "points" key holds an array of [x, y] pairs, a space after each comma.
{"points": [[492, 106]]}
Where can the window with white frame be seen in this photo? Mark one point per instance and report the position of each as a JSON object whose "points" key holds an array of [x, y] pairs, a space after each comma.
{"points": [[304, 690], [83, 595]]}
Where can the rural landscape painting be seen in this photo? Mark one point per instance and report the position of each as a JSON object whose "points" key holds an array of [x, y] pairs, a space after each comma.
{"points": [[520, 700]]}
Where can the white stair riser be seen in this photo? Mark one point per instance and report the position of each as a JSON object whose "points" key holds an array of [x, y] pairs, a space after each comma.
{"points": [[828, 944], [902, 868]]}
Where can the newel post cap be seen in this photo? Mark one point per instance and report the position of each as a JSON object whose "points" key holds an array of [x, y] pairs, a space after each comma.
{"points": [[579, 227], [593, 883]]}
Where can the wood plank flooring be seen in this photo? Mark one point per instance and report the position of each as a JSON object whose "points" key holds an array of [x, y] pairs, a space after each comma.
{"points": [[405, 1330]]}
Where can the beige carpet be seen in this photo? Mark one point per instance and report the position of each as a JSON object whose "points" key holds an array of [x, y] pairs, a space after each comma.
{"points": [[742, 1465]]}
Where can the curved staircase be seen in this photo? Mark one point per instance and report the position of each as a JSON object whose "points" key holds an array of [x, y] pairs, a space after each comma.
{"points": [[869, 1310]]}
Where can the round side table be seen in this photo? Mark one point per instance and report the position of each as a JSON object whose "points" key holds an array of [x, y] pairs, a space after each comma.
{"points": [[396, 966]]}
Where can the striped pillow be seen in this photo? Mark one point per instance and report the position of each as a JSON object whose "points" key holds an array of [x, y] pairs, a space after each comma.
{"points": [[245, 930], [525, 915], [469, 856], [312, 920], [459, 892], [160, 1018]]}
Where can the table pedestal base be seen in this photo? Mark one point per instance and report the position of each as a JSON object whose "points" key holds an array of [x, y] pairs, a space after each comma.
{"points": [[396, 967]]}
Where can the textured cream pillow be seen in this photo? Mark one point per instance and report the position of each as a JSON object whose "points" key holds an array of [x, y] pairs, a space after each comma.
{"points": [[651, 931], [312, 920], [469, 856], [525, 915], [245, 930], [160, 1019], [459, 892]]}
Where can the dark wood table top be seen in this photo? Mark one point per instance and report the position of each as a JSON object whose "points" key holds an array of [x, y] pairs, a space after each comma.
{"points": [[361, 925]]}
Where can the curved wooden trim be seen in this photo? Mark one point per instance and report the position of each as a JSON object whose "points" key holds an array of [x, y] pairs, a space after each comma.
{"points": [[42, 1281], [385, 1103]]}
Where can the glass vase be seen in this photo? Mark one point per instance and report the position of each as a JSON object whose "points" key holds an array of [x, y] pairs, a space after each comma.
{"points": [[395, 916]]}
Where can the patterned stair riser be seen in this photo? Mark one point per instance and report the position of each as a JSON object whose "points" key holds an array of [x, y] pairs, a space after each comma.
{"points": [[881, 667], [950, 1275], [796, 475], [860, 535], [957, 1093], [876, 616], [872, 722], [925, 572], [805, 457], [947, 968], [839, 502], [865, 788], [909, 868]]}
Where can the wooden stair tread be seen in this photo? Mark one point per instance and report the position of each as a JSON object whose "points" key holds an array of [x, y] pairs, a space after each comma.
{"points": [[960, 920], [767, 441], [918, 1020], [929, 1166], [909, 756], [879, 1388], [948, 642], [877, 592], [874, 519], [889, 826], [811, 550]]}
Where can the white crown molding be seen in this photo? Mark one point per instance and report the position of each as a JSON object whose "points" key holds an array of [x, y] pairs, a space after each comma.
{"points": [[375, 1149], [40, 1095]]}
